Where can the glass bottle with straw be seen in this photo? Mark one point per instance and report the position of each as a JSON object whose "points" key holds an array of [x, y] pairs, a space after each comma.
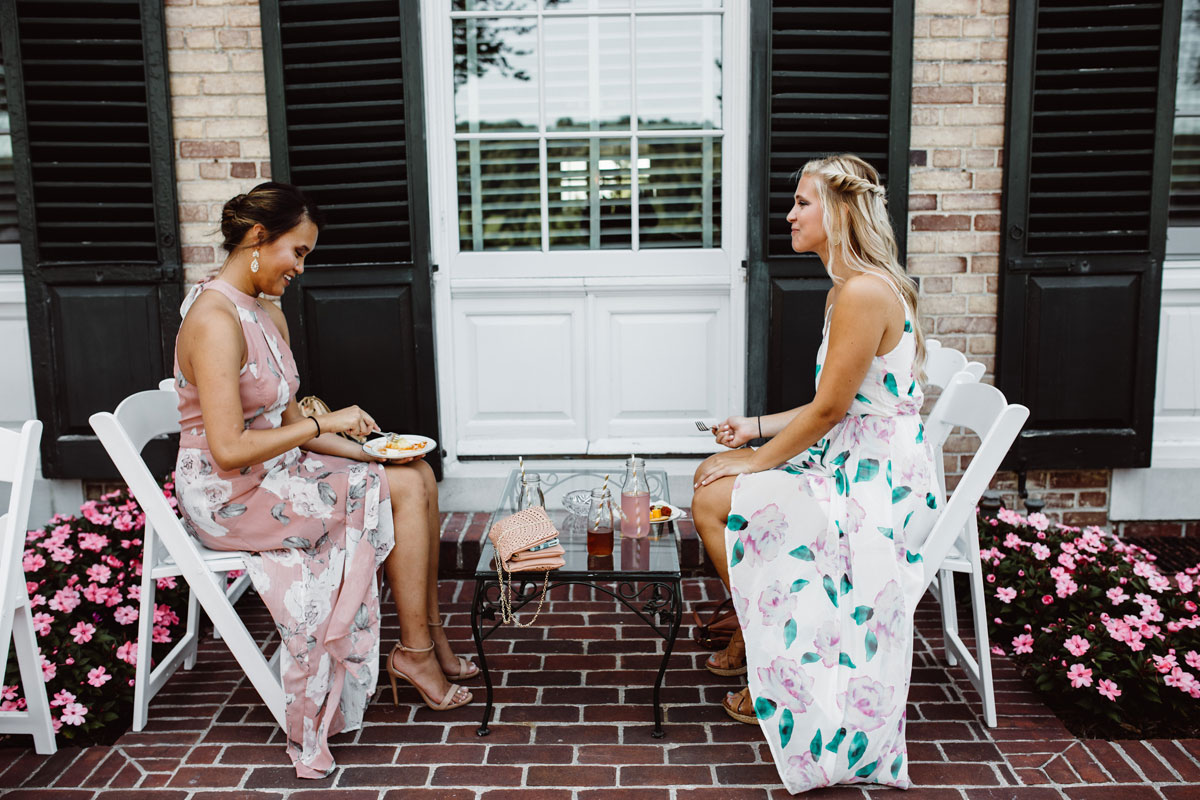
{"points": [[529, 491], [600, 522], [635, 500]]}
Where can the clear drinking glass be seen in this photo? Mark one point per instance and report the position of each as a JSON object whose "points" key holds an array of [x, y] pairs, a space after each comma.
{"points": [[635, 500], [530, 491], [600, 524]]}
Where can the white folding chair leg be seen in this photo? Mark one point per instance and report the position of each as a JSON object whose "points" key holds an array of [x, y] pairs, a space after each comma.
{"points": [[949, 606], [145, 630], [983, 649], [35, 719], [193, 629]]}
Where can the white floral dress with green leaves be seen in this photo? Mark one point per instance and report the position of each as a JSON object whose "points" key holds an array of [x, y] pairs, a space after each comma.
{"points": [[825, 585]]}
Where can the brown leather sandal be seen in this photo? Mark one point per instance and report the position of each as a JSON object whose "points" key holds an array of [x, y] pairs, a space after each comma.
{"points": [[739, 706], [715, 622], [466, 670], [730, 661]]}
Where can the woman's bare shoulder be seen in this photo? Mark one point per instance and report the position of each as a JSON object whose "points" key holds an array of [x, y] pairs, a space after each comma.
{"points": [[868, 289]]}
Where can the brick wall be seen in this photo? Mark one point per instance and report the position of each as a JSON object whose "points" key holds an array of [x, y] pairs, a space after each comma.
{"points": [[218, 101], [960, 61]]}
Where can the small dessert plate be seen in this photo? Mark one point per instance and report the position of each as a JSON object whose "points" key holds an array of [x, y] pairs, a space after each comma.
{"points": [[408, 445], [676, 512]]}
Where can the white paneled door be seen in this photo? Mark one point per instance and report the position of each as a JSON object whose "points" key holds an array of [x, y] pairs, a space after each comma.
{"points": [[588, 196]]}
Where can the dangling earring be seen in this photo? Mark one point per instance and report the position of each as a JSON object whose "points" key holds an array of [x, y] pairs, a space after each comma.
{"points": [[254, 261]]}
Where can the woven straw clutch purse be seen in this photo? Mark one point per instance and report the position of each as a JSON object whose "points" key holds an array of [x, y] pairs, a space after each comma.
{"points": [[514, 535]]}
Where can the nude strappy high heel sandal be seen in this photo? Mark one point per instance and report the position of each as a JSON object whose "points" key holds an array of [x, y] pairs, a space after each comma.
{"points": [[463, 661], [444, 705]]}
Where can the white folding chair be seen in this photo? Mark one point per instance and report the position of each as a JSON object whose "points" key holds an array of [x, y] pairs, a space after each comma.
{"points": [[953, 541], [18, 454], [170, 551]]}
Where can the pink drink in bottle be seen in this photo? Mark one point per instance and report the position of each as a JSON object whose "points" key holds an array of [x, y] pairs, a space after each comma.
{"points": [[635, 500]]}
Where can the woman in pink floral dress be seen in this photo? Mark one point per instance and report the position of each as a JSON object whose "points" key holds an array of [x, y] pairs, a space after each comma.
{"points": [[320, 516], [811, 530]]}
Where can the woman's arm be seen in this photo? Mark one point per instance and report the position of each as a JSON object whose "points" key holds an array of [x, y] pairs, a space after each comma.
{"points": [[856, 330]]}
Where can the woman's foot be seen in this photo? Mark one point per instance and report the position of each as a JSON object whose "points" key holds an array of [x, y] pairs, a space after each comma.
{"points": [[731, 660], [739, 706], [419, 667], [456, 668]]}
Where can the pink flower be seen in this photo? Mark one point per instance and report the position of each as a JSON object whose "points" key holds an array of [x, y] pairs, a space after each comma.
{"points": [[49, 669], [1039, 521], [997, 650], [166, 583], [62, 698], [82, 632], [92, 541], [126, 615], [65, 600], [33, 561], [1066, 561], [1079, 675], [73, 714], [128, 652], [1186, 584], [1040, 551], [98, 676], [1022, 643], [867, 703], [1158, 583], [1010, 517], [1190, 606], [63, 555], [1108, 689], [41, 623], [1005, 594], [1180, 679], [828, 643], [1193, 659], [161, 634], [1165, 664], [9, 692], [1117, 595], [1012, 541], [1077, 645], [786, 682], [99, 573], [1047, 599]]}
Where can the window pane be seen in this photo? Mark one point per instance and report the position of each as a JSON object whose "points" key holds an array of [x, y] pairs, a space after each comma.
{"points": [[679, 192], [679, 71], [588, 5], [589, 193], [8, 195], [674, 4], [499, 206], [1185, 160], [493, 5], [495, 74], [587, 73]]}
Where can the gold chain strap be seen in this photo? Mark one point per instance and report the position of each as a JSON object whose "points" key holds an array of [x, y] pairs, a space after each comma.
{"points": [[506, 612]]}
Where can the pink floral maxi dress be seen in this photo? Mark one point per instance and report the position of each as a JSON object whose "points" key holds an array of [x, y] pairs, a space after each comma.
{"points": [[318, 527], [825, 586]]}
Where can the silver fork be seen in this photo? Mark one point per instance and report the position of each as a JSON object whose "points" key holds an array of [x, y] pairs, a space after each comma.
{"points": [[700, 426]]}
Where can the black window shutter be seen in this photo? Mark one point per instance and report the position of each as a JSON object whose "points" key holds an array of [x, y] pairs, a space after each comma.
{"points": [[346, 125], [8, 192], [1087, 164], [825, 78], [95, 185]]}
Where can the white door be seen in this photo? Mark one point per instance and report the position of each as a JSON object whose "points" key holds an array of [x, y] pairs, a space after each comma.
{"points": [[589, 230]]}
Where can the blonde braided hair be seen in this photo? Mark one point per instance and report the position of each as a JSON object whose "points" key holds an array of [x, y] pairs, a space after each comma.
{"points": [[857, 225]]}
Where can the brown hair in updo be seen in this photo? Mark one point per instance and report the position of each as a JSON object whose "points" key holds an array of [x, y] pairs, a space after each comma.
{"points": [[278, 207]]}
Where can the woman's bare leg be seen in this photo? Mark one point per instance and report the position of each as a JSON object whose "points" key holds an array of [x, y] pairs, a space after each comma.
{"points": [[408, 573], [710, 513]]}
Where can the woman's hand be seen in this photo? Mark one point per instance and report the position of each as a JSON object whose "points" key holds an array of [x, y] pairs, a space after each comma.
{"points": [[736, 431], [721, 465], [351, 419]]}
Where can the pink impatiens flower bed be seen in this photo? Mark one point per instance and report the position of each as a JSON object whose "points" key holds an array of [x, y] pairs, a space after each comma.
{"points": [[1111, 641], [83, 575]]}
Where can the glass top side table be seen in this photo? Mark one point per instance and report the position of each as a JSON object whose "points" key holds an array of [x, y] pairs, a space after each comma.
{"points": [[643, 574]]}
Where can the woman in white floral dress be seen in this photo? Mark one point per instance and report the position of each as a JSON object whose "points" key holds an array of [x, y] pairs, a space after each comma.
{"points": [[254, 474], [811, 530]]}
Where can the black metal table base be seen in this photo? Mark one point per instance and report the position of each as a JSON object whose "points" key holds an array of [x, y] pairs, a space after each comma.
{"points": [[655, 600]]}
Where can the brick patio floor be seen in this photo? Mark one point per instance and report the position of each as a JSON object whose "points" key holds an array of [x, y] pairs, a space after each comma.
{"points": [[573, 720]]}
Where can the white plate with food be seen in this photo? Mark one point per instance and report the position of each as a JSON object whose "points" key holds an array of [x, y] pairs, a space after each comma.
{"points": [[395, 445], [664, 512]]}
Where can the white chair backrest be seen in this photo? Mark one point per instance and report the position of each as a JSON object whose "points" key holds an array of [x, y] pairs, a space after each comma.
{"points": [[942, 363], [18, 455], [983, 410], [124, 432]]}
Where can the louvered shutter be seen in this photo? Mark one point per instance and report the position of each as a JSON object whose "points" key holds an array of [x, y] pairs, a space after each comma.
{"points": [[826, 78], [94, 177], [344, 105], [8, 192], [1087, 166]]}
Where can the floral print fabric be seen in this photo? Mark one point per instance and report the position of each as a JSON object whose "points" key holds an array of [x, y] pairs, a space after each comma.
{"points": [[318, 527], [825, 585]]}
